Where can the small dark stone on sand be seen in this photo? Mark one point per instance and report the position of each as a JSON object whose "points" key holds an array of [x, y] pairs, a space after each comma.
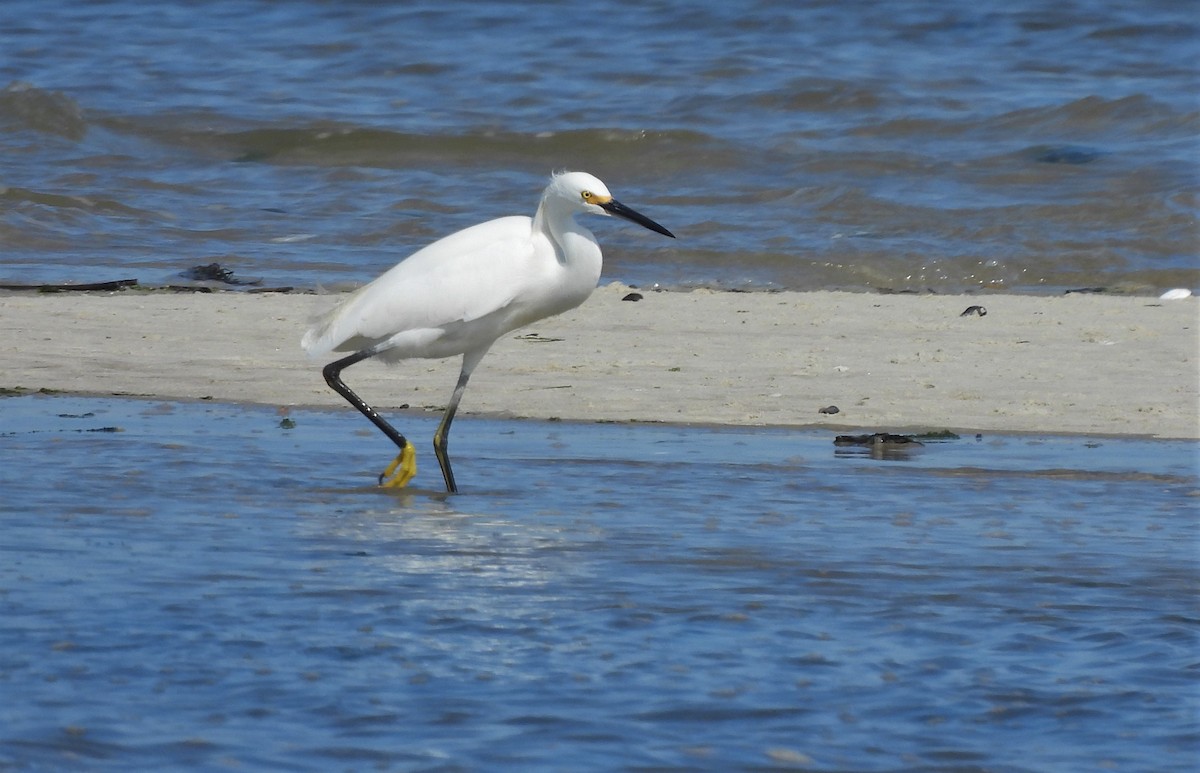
{"points": [[632, 297], [830, 409], [974, 310]]}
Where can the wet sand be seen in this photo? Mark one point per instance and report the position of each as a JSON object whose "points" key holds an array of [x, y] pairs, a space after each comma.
{"points": [[1071, 364]]}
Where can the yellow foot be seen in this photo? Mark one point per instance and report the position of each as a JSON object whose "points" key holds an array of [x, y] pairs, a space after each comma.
{"points": [[404, 466]]}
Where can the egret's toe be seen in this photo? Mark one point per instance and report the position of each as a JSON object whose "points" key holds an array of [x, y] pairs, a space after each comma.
{"points": [[401, 470]]}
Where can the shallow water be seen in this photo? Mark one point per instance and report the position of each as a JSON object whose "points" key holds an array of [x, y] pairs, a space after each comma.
{"points": [[906, 145], [194, 585]]}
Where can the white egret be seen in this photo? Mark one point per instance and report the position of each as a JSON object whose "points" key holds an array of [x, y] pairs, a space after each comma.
{"points": [[461, 293]]}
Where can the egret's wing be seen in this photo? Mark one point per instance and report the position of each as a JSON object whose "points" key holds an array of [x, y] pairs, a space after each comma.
{"points": [[462, 277]]}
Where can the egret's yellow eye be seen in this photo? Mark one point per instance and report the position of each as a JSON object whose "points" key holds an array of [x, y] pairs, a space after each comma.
{"points": [[587, 195]]}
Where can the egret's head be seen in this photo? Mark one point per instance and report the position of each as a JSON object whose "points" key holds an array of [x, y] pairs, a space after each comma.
{"points": [[587, 193]]}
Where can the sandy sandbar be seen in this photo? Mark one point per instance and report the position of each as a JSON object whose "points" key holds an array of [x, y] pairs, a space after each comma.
{"points": [[1071, 364]]}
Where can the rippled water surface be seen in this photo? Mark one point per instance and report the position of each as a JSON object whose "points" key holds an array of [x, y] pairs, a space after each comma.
{"points": [[200, 586], [903, 145]]}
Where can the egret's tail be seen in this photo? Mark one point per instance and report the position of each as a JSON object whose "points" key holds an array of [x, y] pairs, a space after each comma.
{"points": [[313, 344], [320, 338], [337, 330]]}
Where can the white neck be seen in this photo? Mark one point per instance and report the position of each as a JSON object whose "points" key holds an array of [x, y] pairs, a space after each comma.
{"points": [[570, 239], [575, 247]]}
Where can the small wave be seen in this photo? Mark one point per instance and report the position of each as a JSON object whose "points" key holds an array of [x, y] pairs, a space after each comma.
{"points": [[59, 201], [806, 95], [349, 145], [24, 107], [1136, 115]]}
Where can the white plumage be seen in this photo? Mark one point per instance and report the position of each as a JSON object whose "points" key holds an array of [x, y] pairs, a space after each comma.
{"points": [[461, 293]]}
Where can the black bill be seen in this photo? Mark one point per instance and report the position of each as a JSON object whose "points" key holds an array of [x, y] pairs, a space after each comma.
{"points": [[615, 207]]}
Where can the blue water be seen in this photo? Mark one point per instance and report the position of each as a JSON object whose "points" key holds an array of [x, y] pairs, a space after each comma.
{"points": [[904, 145], [195, 586]]}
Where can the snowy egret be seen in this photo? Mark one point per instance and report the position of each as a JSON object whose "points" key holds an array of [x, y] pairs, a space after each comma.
{"points": [[461, 293]]}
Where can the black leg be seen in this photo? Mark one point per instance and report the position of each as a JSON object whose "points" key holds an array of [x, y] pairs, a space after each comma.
{"points": [[333, 377], [441, 438], [405, 461]]}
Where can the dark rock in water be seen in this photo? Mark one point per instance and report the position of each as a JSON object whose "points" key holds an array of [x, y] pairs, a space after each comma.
{"points": [[875, 440], [940, 435], [882, 446], [877, 445]]}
